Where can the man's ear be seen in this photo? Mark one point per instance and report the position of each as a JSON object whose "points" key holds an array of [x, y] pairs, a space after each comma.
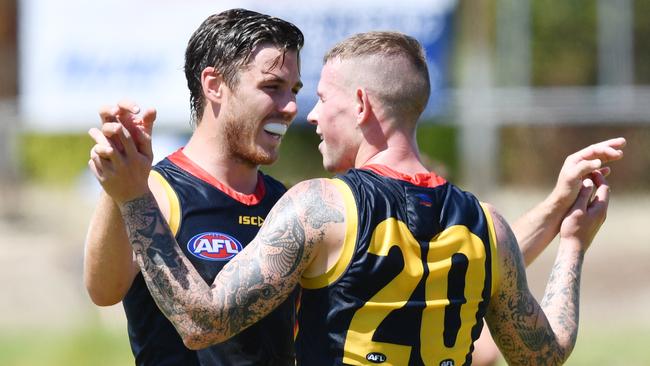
{"points": [[362, 104], [212, 84]]}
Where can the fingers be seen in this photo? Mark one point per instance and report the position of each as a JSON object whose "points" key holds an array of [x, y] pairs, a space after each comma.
{"points": [[113, 135], [127, 114], [142, 134], [582, 201], [108, 113], [97, 172], [148, 119], [600, 201], [609, 150], [104, 144], [605, 171], [100, 163], [110, 131], [143, 145], [582, 163], [128, 106], [98, 136], [124, 137], [584, 167], [138, 129]]}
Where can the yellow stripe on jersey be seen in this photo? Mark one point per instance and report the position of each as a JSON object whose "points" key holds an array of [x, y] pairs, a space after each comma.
{"points": [[496, 274], [349, 243], [174, 205], [359, 338], [456, 239]]}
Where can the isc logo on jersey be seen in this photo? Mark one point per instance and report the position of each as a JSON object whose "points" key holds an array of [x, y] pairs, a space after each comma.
{"points": [[214, 246]]}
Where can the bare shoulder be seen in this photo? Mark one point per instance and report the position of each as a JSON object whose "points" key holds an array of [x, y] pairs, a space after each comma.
{"points": [[510, 259], [506, 240]]}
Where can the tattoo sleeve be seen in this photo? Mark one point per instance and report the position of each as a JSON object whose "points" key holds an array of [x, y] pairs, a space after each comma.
{"points": [[252, 284], [526, 334]]}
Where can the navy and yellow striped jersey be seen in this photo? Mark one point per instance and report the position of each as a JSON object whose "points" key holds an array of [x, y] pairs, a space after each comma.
{"points": [[212, 223], [412, 283]]}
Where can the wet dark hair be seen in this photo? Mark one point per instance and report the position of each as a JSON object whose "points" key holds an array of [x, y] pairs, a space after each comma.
{"points": [[225, 41]]}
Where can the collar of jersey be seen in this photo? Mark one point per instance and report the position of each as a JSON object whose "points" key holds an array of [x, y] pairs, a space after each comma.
{"points": [[183, 162], [430, 179]]}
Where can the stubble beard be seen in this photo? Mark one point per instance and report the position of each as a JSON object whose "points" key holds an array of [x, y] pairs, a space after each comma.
{"points": [[240, 139]]}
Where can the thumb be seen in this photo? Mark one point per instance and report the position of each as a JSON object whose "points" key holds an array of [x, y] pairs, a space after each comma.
{"points": [[144, 132], [584, 195], [148, 118]]}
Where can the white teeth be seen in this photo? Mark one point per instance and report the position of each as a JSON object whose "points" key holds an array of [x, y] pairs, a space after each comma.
{"points": [[276, 128]]}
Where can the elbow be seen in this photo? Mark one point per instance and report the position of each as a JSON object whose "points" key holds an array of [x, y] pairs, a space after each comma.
{"points": [[100, 296], [567, 349], [200, 340], [195, 344]]}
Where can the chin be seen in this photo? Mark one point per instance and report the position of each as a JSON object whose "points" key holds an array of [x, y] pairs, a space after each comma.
{"points": [[266, 158], [333, 168], [257, 158]]}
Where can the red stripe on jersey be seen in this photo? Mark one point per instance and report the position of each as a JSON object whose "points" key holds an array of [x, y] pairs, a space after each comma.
{"points": [[430, 180], [180, 159]]}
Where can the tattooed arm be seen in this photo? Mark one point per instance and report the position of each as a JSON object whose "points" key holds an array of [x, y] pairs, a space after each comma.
{"points": [[308, 218], [253, 283], [530, 334]]}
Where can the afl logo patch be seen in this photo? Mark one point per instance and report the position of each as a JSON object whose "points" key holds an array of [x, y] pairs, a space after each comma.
{"points": [[376, 357], [214, 246]]}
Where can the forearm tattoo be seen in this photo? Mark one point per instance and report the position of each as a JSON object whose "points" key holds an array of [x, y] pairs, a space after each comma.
{"points": [[526, 334], [252, 284], [562, 295], [164, 268]]}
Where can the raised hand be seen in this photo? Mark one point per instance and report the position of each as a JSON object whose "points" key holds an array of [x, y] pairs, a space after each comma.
{"points": [[122, 156], [127, 113], [580, 165], [588, 212]]}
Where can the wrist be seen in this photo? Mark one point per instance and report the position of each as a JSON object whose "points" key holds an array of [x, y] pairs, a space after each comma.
{"points": [[573, 244], [132, 193], [132, 198], [556, 204]]}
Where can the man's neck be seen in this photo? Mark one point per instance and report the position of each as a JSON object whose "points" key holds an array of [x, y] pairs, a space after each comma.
{"points": [[208, 154], [398, 154]]}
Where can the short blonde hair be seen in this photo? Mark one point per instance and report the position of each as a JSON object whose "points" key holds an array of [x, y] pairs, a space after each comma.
{"points": [[404, 95]]}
